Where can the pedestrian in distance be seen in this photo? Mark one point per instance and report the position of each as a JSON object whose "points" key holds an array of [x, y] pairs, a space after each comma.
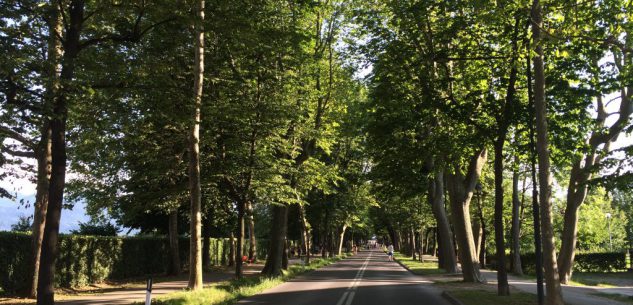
{"points": [[390, 252]]}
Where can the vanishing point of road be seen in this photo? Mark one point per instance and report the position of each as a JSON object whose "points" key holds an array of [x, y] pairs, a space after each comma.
{"points": [[364, 279]]}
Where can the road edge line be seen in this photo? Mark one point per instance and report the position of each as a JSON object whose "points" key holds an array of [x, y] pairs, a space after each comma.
{"points": [[451, 299]]}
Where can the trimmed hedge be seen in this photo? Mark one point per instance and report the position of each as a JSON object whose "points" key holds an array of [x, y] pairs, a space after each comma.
{"points": [[85, 260], [583, 262]]}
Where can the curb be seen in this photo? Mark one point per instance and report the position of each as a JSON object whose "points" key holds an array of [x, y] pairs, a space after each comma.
{"points": [[448, 297], [404, 266], [451, 299]]}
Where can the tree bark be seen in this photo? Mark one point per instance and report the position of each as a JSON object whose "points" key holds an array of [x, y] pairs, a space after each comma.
{"points": [[421, 245], [446, 255], [305, 234], [413, 245], [273, 266], [232, 249], [240, 239], [481, 252], [340, 240], [174, 268], [195, 246], [43, 152], [503, 289], [554, 293], [284, 257], [41, 205], [461, 191], [477, 235], [516, 225], [503, 123], [206, 244], [48, 256], [252, 249]]}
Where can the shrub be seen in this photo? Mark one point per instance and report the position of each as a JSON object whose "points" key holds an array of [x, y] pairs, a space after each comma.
{"points": [[584, 262], [86, 260]]}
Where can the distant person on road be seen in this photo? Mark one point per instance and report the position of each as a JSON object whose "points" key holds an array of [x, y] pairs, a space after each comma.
{"points": [[390, 252]]}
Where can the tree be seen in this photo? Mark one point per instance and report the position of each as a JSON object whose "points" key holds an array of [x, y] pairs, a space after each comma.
{"points": [[97, 228], [195, 249], [22, 225], [27, 108], [554, 293]]}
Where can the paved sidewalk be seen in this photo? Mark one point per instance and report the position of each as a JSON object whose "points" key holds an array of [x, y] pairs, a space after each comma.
{"points": [[574, 295], [130, 295]]}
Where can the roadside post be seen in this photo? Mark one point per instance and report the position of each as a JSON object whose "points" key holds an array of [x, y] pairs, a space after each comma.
{"points": [[148, 293]]}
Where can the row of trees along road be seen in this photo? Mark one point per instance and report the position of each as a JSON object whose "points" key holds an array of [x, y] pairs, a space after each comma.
{"points": [[103, 90], [254, 111], [453, 83]]}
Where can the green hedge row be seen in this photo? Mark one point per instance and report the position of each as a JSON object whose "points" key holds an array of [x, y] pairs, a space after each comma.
{"points": [[584, 262], [85, 260]]}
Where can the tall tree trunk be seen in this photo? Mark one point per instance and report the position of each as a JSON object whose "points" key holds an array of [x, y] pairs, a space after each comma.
{"points": [[273, 265], [206, 244], [41, 204], [340, 240], [569, 238], [461, 191], [240, 239], [446, 258], [43, 152], [482, 225], [502, 274], [421, 245], [554, 294], [284, 257], [477, 234], [413, 245], [252, 249], [305, 234], [195, 246], [48, 256], [232, 249], [174, 268], [503, 123], [516, 225]]}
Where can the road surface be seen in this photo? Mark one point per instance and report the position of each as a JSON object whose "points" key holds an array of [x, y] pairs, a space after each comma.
{"points": [[365, 279]]}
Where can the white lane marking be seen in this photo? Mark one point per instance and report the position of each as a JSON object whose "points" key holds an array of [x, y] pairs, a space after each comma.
{"points": [[340, 302], [349, 294], [351, 298]]}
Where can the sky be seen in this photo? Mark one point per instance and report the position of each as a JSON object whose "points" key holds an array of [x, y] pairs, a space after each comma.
{"points": [[10, 212]]}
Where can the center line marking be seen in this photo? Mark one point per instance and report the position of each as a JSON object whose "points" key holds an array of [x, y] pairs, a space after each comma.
{"points": [[349, 294]]}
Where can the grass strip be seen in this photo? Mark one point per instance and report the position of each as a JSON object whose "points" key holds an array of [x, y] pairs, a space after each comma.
{"points": [[487, 297], [418, 267], [615, 296], [229, 292]]}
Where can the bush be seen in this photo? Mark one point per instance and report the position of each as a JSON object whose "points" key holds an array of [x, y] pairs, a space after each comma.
{"points": [[584, 262], [600, 262], [86, 260]]}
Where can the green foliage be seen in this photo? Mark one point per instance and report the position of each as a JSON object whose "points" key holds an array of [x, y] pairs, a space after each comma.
{"points": [[85, 260], [584, 262], [24, 224], [15, 257], [96, 228]]}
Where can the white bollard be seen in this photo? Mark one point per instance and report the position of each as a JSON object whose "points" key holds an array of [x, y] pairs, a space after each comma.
{"points": [[148, 294]]}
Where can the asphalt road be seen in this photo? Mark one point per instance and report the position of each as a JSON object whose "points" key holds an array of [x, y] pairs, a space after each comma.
{"points": [[365, 279]]}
